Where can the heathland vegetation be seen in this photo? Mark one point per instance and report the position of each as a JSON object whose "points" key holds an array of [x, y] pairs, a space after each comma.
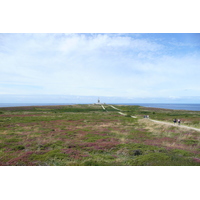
{"points": [[87, 135]]}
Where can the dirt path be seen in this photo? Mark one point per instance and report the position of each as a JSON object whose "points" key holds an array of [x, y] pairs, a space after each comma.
{"points": [[115, 108], [121, 113], [103, 107], [180, 126], [161, 122]]}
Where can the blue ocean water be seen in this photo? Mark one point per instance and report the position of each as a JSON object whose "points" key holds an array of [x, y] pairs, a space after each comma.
{"points": [[31, 104], [193, 107]]}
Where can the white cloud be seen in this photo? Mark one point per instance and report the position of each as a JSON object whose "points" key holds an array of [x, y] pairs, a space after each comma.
{"points": [[95, 64]]}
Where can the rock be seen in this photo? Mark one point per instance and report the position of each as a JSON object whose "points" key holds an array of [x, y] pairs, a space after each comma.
{"points": [[137, 152]]}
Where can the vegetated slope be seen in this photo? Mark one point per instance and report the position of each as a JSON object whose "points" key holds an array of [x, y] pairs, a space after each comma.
{"points": [[89, 135]]}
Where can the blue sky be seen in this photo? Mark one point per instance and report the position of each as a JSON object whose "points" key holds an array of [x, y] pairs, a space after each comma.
{"points": [[116, 67]]}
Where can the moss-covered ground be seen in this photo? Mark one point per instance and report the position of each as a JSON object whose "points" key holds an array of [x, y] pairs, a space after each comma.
{"points": [[87, 135]]}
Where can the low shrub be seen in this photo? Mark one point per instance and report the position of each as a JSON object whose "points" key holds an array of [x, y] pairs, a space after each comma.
{"points": [[162, 159], [94, 137], [12, 140], [181, 152], [191, 142], [151, 159], [19, 147], [2, 145], [50, 154]]}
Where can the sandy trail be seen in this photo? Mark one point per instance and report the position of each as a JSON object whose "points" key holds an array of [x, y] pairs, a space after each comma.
{"points": [[114, 107], [161, 122], [121, 113], [103, 107], [180, 126]]}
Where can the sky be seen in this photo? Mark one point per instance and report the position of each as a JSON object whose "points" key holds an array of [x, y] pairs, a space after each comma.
{"points": [[115, 67]]}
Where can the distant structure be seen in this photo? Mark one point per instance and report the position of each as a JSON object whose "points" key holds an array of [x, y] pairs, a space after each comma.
{"points": [[98, 101]]}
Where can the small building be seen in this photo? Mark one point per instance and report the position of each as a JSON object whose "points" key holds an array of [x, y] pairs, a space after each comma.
{"points": [[98, 101]]}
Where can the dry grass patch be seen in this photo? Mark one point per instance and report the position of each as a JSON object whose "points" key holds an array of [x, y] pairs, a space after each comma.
{"points": [[155, 128], [27, 127], [175, 145], [5, 132], [184, 136]]}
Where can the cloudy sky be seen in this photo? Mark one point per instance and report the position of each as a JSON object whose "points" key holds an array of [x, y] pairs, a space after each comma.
{"points": [[122, 67]]}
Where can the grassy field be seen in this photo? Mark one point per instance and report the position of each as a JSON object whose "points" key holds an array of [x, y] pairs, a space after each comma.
{"points": [[87, 135]]}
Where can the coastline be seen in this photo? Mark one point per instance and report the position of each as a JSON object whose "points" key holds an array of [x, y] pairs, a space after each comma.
{"points": [[9, 105], [170, 106]]}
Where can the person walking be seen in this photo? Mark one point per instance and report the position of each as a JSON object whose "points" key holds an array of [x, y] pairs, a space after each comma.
{"points": [[175, 121], [179, 121]]}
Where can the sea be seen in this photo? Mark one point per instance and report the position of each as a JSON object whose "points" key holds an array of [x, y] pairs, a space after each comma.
{"points": [[192, 107], [32, 104]]}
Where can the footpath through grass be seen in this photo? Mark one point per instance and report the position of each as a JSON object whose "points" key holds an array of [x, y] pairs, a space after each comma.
{"points": [[89, 135]]}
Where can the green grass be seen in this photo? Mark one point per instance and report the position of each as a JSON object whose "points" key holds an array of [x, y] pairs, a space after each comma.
{"points": [[86, 135]]}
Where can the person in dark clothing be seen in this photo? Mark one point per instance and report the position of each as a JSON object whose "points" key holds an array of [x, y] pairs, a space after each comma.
{"points": [[174, 121], [179, 121]]}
